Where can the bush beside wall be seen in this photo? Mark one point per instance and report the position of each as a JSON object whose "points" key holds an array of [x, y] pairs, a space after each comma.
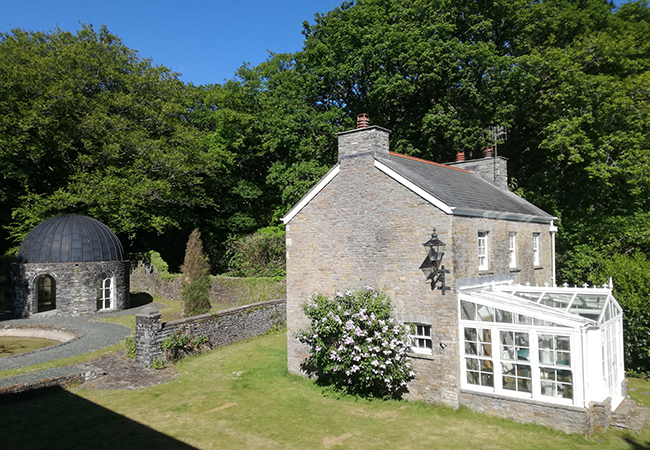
{"points": [[220, 328]]}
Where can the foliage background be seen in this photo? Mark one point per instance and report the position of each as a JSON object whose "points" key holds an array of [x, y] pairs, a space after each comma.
{"points": [[87, 126]]}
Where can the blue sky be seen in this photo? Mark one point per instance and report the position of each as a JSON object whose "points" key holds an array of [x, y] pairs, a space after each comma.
{"points": [[206, 41]]}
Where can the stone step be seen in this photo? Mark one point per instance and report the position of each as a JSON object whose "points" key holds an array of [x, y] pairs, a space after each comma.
{"points": [[640, 416], [620, 417]]}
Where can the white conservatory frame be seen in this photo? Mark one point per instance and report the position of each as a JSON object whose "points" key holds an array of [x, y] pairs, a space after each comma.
{"points": [[554, 345]]}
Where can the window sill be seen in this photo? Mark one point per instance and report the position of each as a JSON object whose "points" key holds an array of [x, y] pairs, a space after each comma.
{"points": [[538, 267], [485, 272], [514, 270], [420, 356]]}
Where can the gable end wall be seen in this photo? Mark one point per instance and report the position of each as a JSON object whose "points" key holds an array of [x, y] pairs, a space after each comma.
{"points": [[364, 229]]}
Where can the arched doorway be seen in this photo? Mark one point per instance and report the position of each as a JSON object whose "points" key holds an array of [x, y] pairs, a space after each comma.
{"points": [[45, 293]]}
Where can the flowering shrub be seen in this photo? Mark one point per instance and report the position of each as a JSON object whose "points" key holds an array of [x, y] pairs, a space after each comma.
{"points": [[356, 345]]}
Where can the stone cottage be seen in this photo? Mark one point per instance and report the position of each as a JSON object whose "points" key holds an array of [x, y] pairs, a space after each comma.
{"points": [[71, 265], [490, 330]]}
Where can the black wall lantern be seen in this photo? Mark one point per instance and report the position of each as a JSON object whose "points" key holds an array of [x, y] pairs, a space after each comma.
{"points": [[431, 265]]}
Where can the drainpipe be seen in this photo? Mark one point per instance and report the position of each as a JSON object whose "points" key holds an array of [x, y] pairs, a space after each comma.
{"points": [[553, 229]]}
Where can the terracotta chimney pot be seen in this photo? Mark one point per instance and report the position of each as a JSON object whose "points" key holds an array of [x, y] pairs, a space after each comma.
{"points": [[460, 156], [362, 120], [489, 152]]}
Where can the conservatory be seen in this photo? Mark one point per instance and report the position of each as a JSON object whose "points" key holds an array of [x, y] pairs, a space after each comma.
{"points": [[556, 345]]}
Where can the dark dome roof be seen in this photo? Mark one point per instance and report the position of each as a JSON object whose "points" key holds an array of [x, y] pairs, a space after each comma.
{"points": [[70, 238]]}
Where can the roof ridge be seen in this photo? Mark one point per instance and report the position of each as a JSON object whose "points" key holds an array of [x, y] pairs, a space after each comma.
{"points": [[429, 162]]}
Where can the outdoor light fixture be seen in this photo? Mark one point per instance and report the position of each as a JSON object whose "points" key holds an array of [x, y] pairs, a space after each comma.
{"points": [[431, 265]]}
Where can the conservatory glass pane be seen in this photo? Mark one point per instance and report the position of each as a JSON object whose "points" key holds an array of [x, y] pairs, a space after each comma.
{"points": [[545, 323], [467, 310], [608, 312], [532, 296], [485, 313], [504, 316], [524, 320], [524, 385], [487, 379], [588, 305], [547, 300]]}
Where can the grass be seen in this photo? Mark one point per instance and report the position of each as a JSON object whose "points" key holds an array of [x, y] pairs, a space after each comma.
{"points": [[639, 390], [170, 312], [15, 345], [63, 362], [242, 397]]}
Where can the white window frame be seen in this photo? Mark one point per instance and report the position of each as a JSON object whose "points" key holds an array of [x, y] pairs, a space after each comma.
{"points": [[554, 365], [500, 360], [512, 249], [483, 251], [420, 338], [536, 249], [105, 291], [480, 351]]}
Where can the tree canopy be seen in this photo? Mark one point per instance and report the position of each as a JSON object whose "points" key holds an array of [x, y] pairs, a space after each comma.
{"points": [[88, 126]]}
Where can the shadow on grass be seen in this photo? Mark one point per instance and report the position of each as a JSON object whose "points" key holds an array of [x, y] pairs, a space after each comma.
{"points": [[54, 418], [140, 299], [634, 444]]}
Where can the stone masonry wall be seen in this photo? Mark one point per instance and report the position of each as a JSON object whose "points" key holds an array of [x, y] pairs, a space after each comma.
{"points": [[372, 140], [75, 286], [494, 170], [569, 419], [465, 248], [222, 328], [224, 290], [364, 229]]}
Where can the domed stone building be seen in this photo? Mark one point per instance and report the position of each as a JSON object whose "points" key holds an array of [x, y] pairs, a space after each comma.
{"points": [[71, 264]]}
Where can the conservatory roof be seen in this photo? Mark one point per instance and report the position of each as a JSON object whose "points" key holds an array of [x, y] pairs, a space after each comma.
{"points": [[563, 305]]}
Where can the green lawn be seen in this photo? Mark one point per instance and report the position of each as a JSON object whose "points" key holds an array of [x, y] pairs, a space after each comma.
{"points": [[241, 397]]}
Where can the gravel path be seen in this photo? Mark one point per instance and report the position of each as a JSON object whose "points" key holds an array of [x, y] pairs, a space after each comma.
{"points": [[94, 336]]}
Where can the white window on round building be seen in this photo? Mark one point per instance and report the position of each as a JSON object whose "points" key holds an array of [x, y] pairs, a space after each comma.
{"points": [[105, 291]]}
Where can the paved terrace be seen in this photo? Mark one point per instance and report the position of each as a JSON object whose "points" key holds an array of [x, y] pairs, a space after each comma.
{"points": [[94, 336]]}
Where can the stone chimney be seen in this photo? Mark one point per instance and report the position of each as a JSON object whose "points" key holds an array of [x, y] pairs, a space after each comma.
{"points": [[365, 140], [493, 168]]}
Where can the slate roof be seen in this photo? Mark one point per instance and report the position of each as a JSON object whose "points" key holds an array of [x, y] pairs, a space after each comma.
{"points": [[70, 238], [464, 192], [456, 191]]}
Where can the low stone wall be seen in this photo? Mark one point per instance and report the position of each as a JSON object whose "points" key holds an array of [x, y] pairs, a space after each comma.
{"points": [[221, 328], [569, 419], [224, 290], [64, 381]]}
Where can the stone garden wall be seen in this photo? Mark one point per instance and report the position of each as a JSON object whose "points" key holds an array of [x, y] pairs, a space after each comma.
{"points": [[221, 328], [569, 419], [225, 290]]}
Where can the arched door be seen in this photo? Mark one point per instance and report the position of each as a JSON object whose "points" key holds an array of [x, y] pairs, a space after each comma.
{"points": [[45, 293]]}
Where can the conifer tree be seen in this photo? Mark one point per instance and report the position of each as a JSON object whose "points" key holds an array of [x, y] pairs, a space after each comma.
{"points": [[195, 284]]}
